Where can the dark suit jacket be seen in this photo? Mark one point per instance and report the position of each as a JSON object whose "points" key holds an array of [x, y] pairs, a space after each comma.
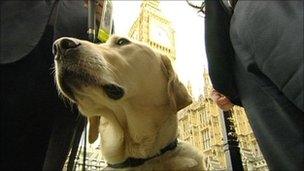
{"points": [[265, 71], [71, 20], [22, 25], [269, 38], [219, 50], [24, 22]]}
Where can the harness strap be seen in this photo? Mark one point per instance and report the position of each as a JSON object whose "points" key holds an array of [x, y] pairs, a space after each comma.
{"points": [[134, 162]]}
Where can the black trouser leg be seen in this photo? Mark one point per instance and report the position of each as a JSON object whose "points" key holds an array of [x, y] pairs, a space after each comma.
{"points": [[29, 104]]}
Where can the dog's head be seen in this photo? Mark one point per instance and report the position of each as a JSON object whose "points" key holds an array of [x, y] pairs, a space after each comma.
{"points": [[116, 75]]}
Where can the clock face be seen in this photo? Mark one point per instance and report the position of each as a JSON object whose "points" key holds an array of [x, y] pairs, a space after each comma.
{"points": [[160, 34]]}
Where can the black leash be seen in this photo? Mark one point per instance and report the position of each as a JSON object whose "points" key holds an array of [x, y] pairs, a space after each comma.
{"points": [[85, 145], [81, 122]]}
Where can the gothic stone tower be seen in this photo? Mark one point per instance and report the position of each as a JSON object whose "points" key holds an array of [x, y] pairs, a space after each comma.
{"points": [[153, 28]]}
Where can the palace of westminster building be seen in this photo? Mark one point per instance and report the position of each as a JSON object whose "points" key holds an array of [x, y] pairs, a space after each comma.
{"points": [[199, 123]]}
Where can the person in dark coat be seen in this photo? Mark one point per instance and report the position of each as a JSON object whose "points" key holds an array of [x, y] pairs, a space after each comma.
{"points": [[255, 59], [36, 126]]}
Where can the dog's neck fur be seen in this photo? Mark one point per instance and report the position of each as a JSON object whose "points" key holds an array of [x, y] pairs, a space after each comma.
{"points": [[133, 136]]}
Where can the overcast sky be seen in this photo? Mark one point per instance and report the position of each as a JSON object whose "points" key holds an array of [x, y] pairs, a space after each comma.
{"points": [[189, 27]]}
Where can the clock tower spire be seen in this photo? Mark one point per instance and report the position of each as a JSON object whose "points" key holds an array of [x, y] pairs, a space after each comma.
{"points": [[152, 3], [153, 28]]}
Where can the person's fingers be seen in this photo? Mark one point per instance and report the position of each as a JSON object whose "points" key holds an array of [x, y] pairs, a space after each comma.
{"points": [[225, 101], [215, 95], [221, 101], [85, 3], [225, 106]]}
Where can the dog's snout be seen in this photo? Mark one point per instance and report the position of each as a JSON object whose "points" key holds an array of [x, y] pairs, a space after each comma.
{"points": [[68, 43], [63, 44]]}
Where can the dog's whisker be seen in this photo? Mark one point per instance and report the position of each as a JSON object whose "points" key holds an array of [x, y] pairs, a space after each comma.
{"points": [[52, 68], [52, 72]]}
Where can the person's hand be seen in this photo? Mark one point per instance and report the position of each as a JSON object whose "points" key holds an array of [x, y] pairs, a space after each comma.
{"points": [[222, 102], [98, 10]]}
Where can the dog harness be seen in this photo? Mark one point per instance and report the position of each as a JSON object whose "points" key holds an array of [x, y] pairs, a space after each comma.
{"points": [[134, 162]]}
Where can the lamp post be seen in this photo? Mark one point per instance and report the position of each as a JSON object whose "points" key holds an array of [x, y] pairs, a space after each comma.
{"points": [[231, 144]]}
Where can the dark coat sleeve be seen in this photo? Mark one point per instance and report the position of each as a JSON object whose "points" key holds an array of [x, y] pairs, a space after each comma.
{"points": [[22, 26], [268, 38], [71, 20], [219, 50]]}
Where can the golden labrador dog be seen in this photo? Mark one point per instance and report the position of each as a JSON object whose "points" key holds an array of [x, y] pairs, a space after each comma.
{"points": [[131, 96]]}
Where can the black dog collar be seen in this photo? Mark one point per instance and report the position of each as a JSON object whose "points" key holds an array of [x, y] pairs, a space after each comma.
{"points": [[134, 162]]}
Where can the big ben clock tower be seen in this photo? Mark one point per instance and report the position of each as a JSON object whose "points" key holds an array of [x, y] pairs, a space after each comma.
{"points": [[153, 28]]}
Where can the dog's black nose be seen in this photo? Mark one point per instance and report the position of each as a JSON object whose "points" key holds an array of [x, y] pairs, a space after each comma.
{"points": [[63, 44]]}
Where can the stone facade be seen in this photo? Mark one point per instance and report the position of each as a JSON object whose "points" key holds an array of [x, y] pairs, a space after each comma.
{"points": [[200, 124]]}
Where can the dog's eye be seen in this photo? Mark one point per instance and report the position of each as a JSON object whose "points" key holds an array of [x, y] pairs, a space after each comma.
{"points": [[122, 41]]}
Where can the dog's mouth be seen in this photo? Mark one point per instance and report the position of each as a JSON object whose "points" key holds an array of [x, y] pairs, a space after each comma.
{"points": [[71, 80]]}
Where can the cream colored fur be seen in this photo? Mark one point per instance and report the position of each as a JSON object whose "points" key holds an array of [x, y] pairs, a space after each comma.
{"points": [[144, 120]]}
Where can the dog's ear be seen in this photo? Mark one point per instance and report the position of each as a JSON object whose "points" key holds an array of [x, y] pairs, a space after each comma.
{"points": [[178, 95], [93, 129]]}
